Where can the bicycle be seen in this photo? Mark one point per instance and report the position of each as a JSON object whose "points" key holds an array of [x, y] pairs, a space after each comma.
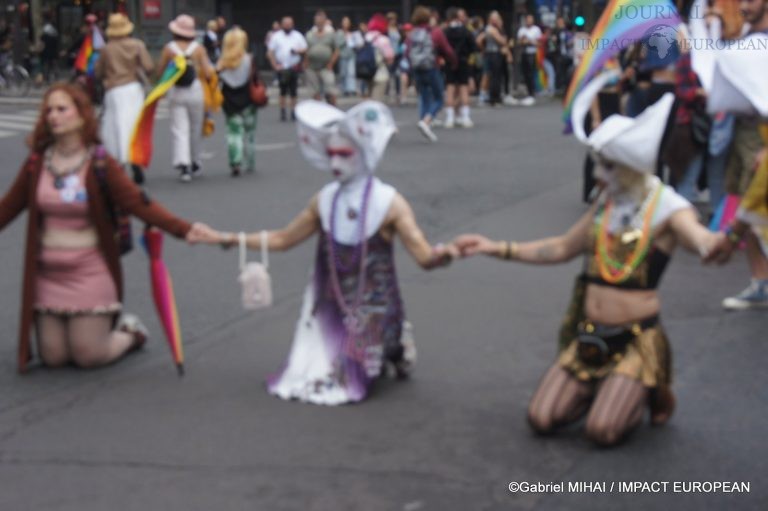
{"points": [[14, 79]]}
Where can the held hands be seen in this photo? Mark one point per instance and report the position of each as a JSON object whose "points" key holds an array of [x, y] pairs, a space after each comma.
{"points": [[719, 250], [443, 255], [202, 233], [473, 244]]}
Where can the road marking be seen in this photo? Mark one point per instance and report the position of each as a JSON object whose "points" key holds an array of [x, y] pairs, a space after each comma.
{"points": [[16, 125], [274, 147], [6, 134], [15, 117]]}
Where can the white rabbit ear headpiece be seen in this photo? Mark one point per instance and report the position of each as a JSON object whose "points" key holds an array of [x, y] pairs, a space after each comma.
{"points": [[369, 125], [631, 142]]}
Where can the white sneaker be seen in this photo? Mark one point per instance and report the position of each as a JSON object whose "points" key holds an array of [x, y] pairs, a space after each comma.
{"points": [[755, 296], [426, 131], [465, 123], [449, 125], [529, 101], [437, 123], [130, 323], [510, 101], [185, 177]]}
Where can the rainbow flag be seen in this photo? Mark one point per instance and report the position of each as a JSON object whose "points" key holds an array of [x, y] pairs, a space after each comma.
{"points": [[541, 74], [140, 149], [88, 54], [623, 22]]}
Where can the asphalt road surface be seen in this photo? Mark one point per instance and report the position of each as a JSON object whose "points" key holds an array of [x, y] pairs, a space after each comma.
{"points": [[134, 436]]}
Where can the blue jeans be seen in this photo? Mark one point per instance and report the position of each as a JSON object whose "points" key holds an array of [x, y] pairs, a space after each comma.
{"points": [[715, 178], [429, 83], [347, 74]]}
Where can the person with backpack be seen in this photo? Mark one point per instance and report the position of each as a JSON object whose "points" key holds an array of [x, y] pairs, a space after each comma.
{"points": [[236, 70], [374, 58], [463, 43], [72, 283], [187, 103], [423, 46]]}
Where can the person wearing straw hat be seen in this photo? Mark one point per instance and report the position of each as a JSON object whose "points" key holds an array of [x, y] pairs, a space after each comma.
{"points": [[123, 66], [187, 103], [614, 357], [352, 321]]}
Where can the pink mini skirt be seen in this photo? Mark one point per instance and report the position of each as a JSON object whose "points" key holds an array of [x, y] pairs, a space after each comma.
{"points": [[74, 281]]}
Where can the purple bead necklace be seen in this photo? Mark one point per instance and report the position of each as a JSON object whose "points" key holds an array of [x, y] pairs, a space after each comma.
{"points": [[353, 320]]}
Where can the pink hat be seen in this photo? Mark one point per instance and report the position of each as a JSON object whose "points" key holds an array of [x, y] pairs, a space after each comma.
{"points": [[183, 25], [91, 18]]}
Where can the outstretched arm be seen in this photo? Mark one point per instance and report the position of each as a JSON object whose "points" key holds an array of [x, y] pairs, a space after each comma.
{"points": [[554, 250], [691, 234], [299, 229], [401, 216]]}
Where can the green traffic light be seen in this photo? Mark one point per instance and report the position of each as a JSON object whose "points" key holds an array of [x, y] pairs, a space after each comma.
{"points": [[579, 21]]}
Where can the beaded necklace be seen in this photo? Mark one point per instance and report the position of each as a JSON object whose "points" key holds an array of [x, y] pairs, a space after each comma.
{"points": [[60, 176], [353, 318], [614, 271]]}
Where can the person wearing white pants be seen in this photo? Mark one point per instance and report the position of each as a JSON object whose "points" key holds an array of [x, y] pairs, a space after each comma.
{"points": [[119, 66], [187, 105], [187, 110]]}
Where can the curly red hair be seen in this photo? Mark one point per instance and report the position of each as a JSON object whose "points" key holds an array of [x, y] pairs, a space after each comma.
{"points": [[41, 137]]}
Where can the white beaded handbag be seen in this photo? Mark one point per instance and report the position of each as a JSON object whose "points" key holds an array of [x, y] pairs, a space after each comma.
{"points": [[254, 277]]}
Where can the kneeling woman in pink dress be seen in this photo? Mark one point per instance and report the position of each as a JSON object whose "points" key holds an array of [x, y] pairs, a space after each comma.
{"points": [[72, 284]]}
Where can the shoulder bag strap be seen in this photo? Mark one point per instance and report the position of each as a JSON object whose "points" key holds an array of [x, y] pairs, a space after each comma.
{"points": [[265, 249], [242, 249]]}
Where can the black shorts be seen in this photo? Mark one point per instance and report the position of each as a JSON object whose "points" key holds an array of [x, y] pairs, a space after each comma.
{"points": [[289, 82], [458, 76]]}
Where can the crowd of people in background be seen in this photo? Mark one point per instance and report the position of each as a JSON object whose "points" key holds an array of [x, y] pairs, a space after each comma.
{"points": [[441, 60], [386, 60]]}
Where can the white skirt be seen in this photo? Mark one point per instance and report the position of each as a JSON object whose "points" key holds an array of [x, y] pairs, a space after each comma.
{"points": [[122, 106]]}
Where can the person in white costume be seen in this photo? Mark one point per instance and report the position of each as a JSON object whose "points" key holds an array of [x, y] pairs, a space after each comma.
{"points": [[614, 356], [351, 323]]}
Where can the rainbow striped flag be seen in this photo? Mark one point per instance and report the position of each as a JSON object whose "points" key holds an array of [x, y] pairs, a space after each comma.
{"points": [[140, 149], [622, 23], [88, 54], [542, 81]]}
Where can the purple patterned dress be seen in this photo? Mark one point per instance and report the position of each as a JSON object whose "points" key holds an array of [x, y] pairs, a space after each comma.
{"points": [[328, 365]]}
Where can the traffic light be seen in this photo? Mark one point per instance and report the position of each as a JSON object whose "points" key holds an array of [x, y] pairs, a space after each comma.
{"points": [[579, 21]]}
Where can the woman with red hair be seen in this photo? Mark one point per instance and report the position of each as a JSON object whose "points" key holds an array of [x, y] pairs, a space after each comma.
{"points": [[385, 56], [72, 284]]}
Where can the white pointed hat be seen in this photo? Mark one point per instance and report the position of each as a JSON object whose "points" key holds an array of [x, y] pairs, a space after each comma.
{"points": [[369, 125], [632, 142], [739, 80]]}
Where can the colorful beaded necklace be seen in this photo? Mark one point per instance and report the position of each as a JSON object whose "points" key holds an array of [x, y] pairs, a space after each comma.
{"points": [[353, 317], [611, 270]]}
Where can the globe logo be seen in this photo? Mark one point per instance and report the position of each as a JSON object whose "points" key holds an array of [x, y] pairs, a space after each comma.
{"points": [[660, 44]]}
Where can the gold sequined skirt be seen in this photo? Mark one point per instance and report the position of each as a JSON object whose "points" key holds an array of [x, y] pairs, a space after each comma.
{"points": [[647, 358]]}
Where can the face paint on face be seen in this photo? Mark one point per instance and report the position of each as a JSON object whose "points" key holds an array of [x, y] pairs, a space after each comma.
{"points": [[344, 158]]}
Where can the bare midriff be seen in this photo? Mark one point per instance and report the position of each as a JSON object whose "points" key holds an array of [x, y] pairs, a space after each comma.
{"points": [[615, 306], [67, 239]]}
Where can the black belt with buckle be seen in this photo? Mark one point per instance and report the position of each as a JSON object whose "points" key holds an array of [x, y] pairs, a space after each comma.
{"points": [[598, 343]]}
